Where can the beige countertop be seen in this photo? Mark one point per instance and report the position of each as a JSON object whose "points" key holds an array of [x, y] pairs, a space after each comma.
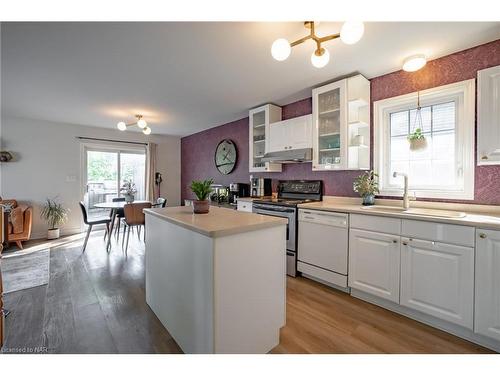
{"points": [[485, 219], [218, 222]]}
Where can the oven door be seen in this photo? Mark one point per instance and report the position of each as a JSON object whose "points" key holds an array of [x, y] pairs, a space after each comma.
{"points": [[287, 213]]}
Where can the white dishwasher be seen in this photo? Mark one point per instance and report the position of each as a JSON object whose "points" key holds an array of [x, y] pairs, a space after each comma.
{"points": [[323, 246]]}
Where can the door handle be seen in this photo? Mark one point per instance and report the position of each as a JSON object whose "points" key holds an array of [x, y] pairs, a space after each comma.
{"points": [[482, 235], [484, 157], [394, 241]]}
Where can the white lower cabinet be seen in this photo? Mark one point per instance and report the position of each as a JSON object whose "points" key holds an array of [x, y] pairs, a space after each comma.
{"points": [[374, 260], [438, 279], [487, 302]]}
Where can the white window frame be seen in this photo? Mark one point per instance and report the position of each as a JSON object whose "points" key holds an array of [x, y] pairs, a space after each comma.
{"points": [[463, 94]]}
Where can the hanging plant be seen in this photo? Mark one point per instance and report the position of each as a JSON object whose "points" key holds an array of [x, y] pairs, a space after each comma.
{"points": [[417, 138]]}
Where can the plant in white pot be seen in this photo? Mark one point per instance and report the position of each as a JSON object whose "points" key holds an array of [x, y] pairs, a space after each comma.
{"points": [[128, 190], [55, 215], [202, 190]]}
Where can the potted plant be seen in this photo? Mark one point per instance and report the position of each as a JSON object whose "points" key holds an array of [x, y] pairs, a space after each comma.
{"points": [[128, 190], [417, 140], [202, 190], [367, 186], [55, 215]]}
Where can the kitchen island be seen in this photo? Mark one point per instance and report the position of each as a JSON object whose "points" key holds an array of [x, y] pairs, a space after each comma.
{"points": [[217, 281]]}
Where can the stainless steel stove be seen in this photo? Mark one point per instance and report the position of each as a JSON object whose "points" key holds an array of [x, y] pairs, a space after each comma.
{"points": [[290, 194]]}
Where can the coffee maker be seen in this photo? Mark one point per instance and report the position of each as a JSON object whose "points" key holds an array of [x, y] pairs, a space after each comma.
{"points": [[238, 190], [261, 187]]}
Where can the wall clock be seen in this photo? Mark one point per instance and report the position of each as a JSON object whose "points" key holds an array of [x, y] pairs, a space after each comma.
{"points": [[226, 156]]}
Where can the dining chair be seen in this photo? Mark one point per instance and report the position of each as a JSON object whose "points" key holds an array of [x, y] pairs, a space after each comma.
{"points": [[120, 214], [134, 217], [100, 220], [160, 203]]}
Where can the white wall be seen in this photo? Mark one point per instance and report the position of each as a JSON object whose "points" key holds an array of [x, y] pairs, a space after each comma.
{"points": [[47, 163]]}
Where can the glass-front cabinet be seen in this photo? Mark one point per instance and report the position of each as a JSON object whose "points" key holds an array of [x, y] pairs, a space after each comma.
{"points": [[341, 132], [259, 120]]}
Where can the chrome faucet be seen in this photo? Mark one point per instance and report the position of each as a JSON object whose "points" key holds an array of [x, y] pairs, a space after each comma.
{"points": [[406, 196]]}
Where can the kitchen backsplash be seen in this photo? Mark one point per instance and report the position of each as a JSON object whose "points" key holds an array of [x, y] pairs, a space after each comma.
{"points": [[197, 150]]}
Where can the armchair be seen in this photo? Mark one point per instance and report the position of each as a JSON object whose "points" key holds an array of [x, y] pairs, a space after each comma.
{"points": [[21, 221]]}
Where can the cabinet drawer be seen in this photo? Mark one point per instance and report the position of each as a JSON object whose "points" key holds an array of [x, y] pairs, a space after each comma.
{"points": [[245, 206], [447, 233], [376, 223]]}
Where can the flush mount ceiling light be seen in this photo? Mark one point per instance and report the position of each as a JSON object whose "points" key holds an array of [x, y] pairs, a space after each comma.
{"points": [[414, 63], [350, 33], [142, 124]]}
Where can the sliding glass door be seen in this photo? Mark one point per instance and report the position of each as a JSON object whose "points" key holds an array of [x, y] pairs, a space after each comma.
{"points": [[106, 168]]}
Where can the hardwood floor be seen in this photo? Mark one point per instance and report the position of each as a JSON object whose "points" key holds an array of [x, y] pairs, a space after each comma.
{"points": [[94, 303]]}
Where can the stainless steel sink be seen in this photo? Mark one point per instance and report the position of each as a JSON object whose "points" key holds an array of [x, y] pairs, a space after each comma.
{"points": [[416, 211]]}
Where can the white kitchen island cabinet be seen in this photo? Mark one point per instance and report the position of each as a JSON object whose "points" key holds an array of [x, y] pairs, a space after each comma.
{"points": [[217, 281]]}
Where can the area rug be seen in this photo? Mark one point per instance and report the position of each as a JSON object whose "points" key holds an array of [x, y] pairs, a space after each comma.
{"points": [[25, 271]]}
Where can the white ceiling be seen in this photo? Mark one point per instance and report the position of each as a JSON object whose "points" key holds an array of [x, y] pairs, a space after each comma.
{"points": [[186, 77]]}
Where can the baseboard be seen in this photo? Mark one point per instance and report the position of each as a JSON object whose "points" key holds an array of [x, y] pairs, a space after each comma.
{"points": [[448, 327], [64, 232]]}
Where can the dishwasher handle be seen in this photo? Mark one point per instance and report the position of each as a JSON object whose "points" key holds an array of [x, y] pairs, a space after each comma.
{"points": [[324, 218]]}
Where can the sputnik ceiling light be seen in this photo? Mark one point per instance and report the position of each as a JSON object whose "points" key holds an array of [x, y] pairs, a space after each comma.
{"points": [[142, 124], [350, 33]]}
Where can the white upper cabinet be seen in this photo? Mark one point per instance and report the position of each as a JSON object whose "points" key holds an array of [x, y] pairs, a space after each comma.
{"points": [[438, 279], [292, 134], [488, 116], [341, 125], [487, 297], [258, 137]]}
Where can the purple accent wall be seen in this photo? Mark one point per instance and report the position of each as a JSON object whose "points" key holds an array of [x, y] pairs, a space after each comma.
{"points": [[197, 150]]}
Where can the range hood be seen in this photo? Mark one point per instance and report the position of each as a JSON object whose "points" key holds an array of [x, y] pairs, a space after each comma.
{"points": [[289, 156]]}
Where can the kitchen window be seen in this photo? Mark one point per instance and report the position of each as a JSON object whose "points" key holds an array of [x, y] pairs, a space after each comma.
{"points": [[443, 169]]}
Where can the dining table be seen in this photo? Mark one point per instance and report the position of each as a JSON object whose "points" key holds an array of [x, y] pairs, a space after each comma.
{"points": [[114, 207]]}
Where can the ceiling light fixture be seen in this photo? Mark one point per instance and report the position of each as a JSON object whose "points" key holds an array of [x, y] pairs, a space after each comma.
{"points": [[350, 33], [414, 63], [142, 124]]}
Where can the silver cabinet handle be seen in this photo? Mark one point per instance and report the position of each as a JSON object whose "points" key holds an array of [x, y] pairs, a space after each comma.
{"points": [[482, 235]]}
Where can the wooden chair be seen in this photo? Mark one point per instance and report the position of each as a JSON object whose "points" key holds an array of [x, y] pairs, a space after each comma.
{"points": [[101, 220], [134, 217], [23, 232]]}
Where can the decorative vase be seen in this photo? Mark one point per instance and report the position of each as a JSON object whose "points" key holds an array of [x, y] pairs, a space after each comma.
{"points": [[129, 198], [418, 144], [369, 200], [53, 234], [201, 207]]}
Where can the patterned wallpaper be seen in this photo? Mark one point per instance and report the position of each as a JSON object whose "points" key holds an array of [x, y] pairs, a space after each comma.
{"points": [[197, 150]]}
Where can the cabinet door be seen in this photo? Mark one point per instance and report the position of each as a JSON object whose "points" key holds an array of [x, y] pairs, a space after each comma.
{"points": [[438, 279], [299, 133], [258, 137], [487, 301], [374, 263], [277, 137], [329, 126], [488, 116]]}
